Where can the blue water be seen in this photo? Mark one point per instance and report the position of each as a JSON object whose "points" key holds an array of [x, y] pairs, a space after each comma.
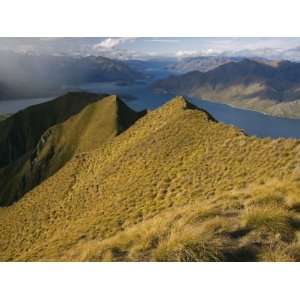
{"points": [[253, 123], [12, 106]]}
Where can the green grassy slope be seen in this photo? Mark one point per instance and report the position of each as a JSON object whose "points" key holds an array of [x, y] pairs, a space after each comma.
{"points": [[175, 186], [85, 131]]}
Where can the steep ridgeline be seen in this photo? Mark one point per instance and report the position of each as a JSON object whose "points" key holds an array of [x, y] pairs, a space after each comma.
{"points": [[21, 132], [95, 124], [175, 186], [270, 88]]}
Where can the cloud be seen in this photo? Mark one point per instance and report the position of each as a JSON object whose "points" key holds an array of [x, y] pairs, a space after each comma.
{"points": [[48, 38], [110, 43], [167, 40], [190, 53], [184, 53], [110, 47], [149, 47]]}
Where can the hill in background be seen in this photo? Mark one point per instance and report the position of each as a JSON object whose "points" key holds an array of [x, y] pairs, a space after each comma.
{"points": [[208, 63], [201, 63], [272, 88], [175, 186]]}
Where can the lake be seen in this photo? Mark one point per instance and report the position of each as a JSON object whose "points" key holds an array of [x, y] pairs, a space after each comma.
{"points": [[12, 106], [139, 96]]}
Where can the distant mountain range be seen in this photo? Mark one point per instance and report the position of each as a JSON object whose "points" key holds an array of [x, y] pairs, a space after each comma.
{"points": [[201, 63], [269, 87], [174, 184], [292, 54], [208, 63], [32, 75]]}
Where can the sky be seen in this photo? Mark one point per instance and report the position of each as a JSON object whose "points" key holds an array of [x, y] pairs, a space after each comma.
{"points": [[128, 47]]}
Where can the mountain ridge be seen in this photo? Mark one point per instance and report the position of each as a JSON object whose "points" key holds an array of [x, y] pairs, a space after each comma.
{"points": [[18, 133], [175, 186], [272, 89], [95, 124]]}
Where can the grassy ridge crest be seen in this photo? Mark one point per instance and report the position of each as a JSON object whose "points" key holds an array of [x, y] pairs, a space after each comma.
{"points": [[175, 186]]}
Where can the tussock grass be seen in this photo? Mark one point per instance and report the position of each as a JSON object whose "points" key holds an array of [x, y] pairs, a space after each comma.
{"points": [[271, 219], [191, 244], [281, 252], [175, 237], [175, 186]]}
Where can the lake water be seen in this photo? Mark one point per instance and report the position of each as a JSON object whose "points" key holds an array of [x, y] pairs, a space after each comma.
{"points": [[139, 96], [12, 106]]}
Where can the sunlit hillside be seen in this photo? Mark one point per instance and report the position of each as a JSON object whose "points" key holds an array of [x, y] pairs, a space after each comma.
{"points": [[175, 186], [21, 132], [95, 124]]}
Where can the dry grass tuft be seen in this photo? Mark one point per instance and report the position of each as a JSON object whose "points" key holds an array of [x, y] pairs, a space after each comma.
{"points": [[271, 219]]}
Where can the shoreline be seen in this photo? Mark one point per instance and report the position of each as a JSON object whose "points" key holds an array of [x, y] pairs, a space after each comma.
{"points": [[244, 108]]}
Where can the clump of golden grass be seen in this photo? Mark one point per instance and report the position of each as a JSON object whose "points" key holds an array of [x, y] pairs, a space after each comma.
{"points": [[191, 244], [281, 252], [178, 236], [272, 219]]}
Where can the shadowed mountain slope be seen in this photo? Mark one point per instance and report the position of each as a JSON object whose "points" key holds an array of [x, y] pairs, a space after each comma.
{"points": [[21, 132], [85, 131], [176, 185], [274, 89], [3, 117]]}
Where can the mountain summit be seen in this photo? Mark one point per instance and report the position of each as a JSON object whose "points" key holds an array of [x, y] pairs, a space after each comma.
{"points": [[97, 122]]}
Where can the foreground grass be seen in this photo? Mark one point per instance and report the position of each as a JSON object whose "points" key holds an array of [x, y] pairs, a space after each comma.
{"points": [[205, 232], [175, 186]]}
